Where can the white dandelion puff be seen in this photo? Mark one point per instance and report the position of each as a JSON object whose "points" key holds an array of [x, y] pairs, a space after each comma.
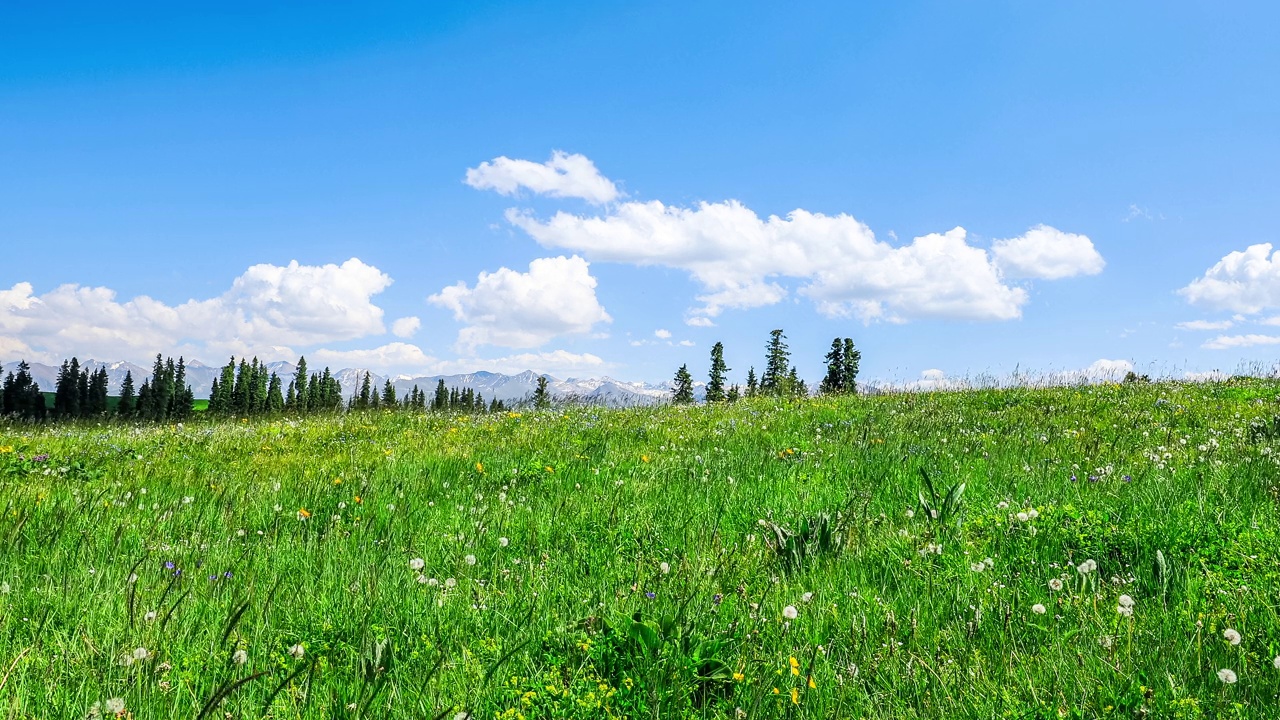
{"points": [[1227, 676], [417, 564], [1055, 584], [1231, 636], [790, 612], [240, 657], [297, 651], [1038, 609]]}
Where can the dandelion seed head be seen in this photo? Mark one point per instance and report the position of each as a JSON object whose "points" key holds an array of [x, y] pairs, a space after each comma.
{"points": [[114, 706], [1232, 636], [790, 612], [417, 564], [297, 651], [1227, 676], [1055, 584], [240, 657]]}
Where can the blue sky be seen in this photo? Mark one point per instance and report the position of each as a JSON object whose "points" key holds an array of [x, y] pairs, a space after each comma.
{"points": [[295, 180]]}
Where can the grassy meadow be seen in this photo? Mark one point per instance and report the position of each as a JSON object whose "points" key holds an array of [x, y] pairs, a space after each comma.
{"points": [[1113, 553]]}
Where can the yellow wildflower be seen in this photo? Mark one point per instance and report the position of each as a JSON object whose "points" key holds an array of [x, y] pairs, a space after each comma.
{"points": [[795, 665], [795, 696]]}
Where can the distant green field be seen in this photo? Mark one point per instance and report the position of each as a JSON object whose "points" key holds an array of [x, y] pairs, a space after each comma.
{"points": [[1113, 553]]}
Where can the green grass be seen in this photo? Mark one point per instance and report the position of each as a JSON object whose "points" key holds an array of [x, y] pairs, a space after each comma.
{"points": [[595, 563]]}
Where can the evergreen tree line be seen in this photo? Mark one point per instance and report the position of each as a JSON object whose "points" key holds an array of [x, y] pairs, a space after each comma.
{"points": [[445, 399], [249, 388], [79, 393], [779, 379]]}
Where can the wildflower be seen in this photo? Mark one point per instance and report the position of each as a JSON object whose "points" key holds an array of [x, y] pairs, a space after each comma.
{"points": [[1038, 609], [910, 513], [978, 567], [1231, 636], [739, 677], [140, 653], [795, 696], [1125, 610], [1055, 584], [807, 597], [480, 468], [4, 588], [1002, 505], [1033, 513], [1227, 676], [240, 657], [297, 651], [417, 564], [303, 514], [1276, 663], [795, 665], [1125, 601], [115, 706], [470, 559], [187, 500], [1086, 567], [812, 685], [790, 612], [451, 583], [503, 542], [1022, 517], [665, 568]]}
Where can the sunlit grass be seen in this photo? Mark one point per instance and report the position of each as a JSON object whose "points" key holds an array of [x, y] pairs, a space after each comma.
{"points": [[593, 563]]}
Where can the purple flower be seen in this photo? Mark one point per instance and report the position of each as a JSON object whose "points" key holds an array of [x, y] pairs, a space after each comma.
{"points": [[1073, 477], [717, 598], [213, 578], [168, 565], [227, 574], [1093, 478], [1128, 479], [651, 595], [40, 458]]}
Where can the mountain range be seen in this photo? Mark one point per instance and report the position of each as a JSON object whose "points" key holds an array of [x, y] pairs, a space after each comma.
{"points": [[507, 388]]}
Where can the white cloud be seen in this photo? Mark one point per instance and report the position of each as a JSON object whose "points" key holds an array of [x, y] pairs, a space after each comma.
{"points": [[512, 309], [560, 363], [405, 327], [1047, 253], [1204, 325], [663, 334], [396, 355], [698, 321], [740, 259], [1245, 282], [265, 309], [1227, 342], [686, 343], [564, 176]]}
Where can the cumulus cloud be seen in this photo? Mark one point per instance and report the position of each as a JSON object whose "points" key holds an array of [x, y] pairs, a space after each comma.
{"points": [[405, 327], [662, 334], [1047, 253], [556, 297], [1228, 342], [1204, 325], [266, 309], [1245, 282], [741, 260], [699, 321], [563, 176], [406, 358]]}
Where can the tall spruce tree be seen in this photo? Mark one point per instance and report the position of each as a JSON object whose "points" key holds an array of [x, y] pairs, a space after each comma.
{"points": [[388, 393], [777, 360], [275, 399], [752, 387], [715, 381], [441, 400], [541, 397], [125, 406], [852, 357], [833, 381], [300, 385], [682, 390]]}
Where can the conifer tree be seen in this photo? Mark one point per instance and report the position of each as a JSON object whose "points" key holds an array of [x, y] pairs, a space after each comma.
{"points": [[66, 392], [715, 383], [541, 398], [275, 399], [833, 381], [752, 388], [734, 394], [777, 358], [98, 382], [125, 407], [852, 357], [366, 390], [682, 391], [388, 393], [82, 392], [441, 401], [300, 384]]}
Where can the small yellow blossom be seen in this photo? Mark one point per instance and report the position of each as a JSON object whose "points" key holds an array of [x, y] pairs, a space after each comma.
{"points": [[337, 481], [812, 685], [480, 468], [739, 677], [303, 514], [795, 665], [795, 696], [644, 458]]}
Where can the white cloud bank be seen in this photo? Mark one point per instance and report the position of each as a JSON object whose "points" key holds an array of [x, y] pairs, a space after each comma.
{"points": [[267, 308], [522, 310], [1229, 342], [1245, 282], [741, 260], [563, 176]]}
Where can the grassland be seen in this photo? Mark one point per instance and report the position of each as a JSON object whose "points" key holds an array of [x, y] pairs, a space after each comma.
{"points": [[589, 563]]}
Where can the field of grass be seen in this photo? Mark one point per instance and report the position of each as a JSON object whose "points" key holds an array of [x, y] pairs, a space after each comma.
{"points": [[1113, 554]]}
